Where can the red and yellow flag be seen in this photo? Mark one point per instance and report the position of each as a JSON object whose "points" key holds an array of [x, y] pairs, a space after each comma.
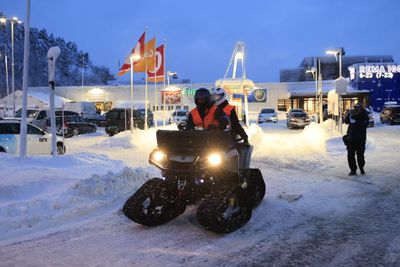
{"points": [[157, 74], [148, 58], [137, 52]]}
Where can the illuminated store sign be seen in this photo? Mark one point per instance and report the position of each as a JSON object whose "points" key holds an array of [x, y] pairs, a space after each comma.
{"points": [[374, 71]]}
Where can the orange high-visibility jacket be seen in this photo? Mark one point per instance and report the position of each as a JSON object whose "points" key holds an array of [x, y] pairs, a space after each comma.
{"points": [[208, 120], [228, 109]]}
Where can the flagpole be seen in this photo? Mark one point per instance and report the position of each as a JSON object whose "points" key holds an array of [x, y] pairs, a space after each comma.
{"points": [[164, 81], [131, 119], [155, 86], [145, 78]]}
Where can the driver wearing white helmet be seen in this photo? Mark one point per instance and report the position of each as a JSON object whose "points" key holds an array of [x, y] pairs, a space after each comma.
{"points": [[218, 95]]}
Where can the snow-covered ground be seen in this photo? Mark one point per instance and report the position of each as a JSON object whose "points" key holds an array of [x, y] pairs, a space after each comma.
{"points": [[66, 211]]}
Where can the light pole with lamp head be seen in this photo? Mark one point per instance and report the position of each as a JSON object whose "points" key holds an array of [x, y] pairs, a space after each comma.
{"points": [[12, 21], [338, 53], [8, 88], [173, 74], [313, 71], [133, 58]]}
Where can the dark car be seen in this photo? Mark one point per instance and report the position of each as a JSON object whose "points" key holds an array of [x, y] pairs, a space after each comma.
{"points": [[297, 118], [118, 120], [390, 114], [99, 120], [74, 125]]}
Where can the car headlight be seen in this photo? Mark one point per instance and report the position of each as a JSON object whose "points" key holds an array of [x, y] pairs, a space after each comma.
{"points": [[214, 159]]}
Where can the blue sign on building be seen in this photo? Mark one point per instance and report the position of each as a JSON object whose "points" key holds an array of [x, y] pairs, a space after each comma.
{"points": [[382, 80], [257, 95]]}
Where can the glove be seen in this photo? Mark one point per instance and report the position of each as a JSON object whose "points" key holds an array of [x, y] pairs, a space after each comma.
{"points": [[246, 142], [181, 127]]}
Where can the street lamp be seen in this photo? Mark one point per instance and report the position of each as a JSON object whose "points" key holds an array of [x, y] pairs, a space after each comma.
{"points": [[172, 74], [337, 53], [313, 71], [8, 88], [12, 21], [3, 20], [132, 59]]}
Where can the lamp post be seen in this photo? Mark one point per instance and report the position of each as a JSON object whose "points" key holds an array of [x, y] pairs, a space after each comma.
{"points": [[12, 21], [338, 53], [8, 88], [83, 75], [169, 73], [52, 55], [133, 58], [25, 76], [313, 71]]}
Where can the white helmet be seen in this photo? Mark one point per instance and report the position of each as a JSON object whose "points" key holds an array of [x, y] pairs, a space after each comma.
{"points": [[218, 95]]}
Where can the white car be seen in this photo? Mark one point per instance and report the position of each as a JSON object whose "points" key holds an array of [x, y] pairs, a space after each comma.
{"points": [[267, 114], [179, 116], [38, 141]]}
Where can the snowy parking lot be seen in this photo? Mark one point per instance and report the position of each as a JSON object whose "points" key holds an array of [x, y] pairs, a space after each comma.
{"points": [[66, 211]]}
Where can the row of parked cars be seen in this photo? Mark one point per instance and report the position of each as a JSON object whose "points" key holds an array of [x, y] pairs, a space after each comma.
{"points": [[73, 123], [298, 118], [295, 118]]}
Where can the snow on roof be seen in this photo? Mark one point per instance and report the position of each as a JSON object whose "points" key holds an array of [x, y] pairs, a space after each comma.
{"points": [[45, 98]]}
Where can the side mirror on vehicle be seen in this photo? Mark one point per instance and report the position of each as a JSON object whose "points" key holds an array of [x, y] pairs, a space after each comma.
{"points": [[43, 132]]}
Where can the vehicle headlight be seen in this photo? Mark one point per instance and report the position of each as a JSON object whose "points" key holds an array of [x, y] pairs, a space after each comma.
{"points": [[214, 159], [158, 156]]}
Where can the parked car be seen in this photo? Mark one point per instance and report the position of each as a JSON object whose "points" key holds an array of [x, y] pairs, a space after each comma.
{"points": [[38, 141], [118, 120], [88, 111], [99, 120], [297, 118], [390, 114], [40, 117], [268, 114], [37, 117], [74, 125], [178, 116]]}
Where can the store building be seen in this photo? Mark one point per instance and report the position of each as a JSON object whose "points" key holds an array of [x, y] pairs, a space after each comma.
{"points": [[372, 81]]}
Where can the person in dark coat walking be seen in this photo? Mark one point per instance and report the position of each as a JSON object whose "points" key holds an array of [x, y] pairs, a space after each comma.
{"points": [[356, 138]]}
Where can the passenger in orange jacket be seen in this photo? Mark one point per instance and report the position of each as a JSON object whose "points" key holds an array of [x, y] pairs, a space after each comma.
{"points": [[219, 97]]}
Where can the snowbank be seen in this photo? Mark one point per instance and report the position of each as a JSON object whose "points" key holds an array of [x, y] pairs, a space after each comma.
{"points": [[48, 209], [288, 145]]}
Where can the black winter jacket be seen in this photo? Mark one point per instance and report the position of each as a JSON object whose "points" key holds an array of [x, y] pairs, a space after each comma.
{"points": [[358, 124]]}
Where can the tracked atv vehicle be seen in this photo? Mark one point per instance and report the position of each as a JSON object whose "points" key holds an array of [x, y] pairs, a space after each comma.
{"points": [[204, 167]]}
